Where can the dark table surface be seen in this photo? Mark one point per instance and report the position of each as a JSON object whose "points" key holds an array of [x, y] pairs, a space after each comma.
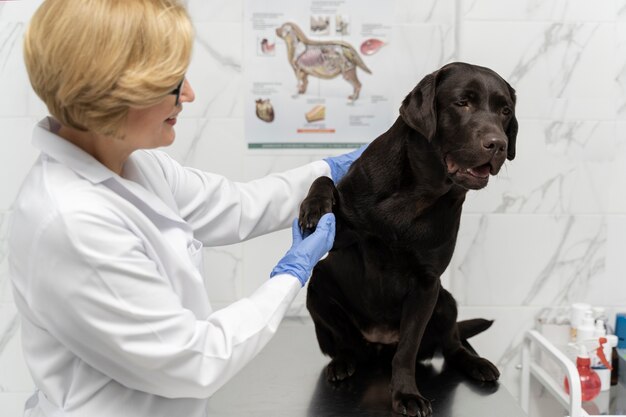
{"points": [[287, 379]]}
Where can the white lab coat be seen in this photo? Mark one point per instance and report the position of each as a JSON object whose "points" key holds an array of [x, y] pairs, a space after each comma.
{"points": [[106, 273]]}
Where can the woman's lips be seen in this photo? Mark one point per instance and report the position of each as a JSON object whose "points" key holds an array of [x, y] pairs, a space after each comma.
{"points": [[171, 121]]}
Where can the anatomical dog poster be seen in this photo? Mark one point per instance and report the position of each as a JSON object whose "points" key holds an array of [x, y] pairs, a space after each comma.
{"points": [[316, 72]]}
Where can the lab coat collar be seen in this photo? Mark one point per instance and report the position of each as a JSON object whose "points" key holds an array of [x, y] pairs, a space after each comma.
{"points": [[85, 165], [70, 155]]}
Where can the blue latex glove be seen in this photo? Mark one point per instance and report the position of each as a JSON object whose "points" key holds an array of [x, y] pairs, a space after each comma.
{"points": [[340, 164], [306, 252]]}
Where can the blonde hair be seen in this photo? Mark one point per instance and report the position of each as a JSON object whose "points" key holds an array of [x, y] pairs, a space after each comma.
{"points": [[91, 60]]}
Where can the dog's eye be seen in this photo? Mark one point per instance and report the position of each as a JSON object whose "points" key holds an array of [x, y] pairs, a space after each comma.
{"points": [[461, 103], [506, 111]]}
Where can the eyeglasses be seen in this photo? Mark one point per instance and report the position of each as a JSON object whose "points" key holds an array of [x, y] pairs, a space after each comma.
{"points": [[177, 91]]}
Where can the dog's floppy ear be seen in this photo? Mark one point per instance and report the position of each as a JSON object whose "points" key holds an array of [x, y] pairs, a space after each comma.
{"points": [[418, 109], [511, 131]]}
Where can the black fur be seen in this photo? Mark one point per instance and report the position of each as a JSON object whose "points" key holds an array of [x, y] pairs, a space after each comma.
{"points": [[398, 211]]}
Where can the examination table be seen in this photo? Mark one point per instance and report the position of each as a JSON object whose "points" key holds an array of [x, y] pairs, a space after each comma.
{"points": [[287, 380]]}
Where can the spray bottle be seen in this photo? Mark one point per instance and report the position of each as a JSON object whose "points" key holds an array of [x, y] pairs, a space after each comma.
{"points": [[589, 379]]}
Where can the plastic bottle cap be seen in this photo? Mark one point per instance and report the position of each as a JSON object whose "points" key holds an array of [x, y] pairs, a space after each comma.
{"points": [[577, 311], [586, 328]]}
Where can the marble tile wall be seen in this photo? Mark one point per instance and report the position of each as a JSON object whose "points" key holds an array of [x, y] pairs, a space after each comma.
{"points": [[550, 230]]}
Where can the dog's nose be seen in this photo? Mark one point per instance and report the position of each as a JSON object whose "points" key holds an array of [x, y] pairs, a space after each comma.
{"points": [[494, 144]]}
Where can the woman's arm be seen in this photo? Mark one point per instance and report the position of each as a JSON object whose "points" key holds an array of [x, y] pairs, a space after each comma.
{"points": [[224, 212]]}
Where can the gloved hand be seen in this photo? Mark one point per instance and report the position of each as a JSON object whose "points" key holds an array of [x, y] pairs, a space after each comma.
{"points": [[306, 252], [340, 164]]}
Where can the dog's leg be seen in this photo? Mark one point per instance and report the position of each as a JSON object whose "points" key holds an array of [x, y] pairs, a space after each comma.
{"points": [[416, 312], [337, 335], [303, 81], [350, 76], [444, 319]]}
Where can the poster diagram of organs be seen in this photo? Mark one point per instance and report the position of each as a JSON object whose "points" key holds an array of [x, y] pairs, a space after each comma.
{"points": [[316, 73]]}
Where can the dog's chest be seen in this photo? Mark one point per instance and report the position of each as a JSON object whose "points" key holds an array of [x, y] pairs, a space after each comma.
{"points": [[382, 334]]}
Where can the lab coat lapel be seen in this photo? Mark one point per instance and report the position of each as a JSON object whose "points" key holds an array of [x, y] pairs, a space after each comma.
{"points": [[144, 200], [149, 189]]}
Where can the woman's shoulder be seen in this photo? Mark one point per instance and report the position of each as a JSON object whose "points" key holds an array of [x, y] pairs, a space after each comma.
{"points": [[52, 190]]}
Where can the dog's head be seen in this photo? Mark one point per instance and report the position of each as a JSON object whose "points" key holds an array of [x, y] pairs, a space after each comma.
{"points": [[290, 32], [467, 112]]}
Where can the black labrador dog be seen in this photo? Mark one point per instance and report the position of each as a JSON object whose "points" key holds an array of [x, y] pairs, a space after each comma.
{"points": [[398, 211]]}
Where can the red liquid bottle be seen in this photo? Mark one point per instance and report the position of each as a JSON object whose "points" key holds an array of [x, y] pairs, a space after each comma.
{"points": [[589, 379]]}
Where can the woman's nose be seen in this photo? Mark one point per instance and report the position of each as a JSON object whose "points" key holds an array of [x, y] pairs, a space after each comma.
{"points": [[187, 95]]}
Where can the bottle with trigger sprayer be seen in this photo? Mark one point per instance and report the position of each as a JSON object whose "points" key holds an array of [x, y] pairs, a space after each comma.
{"points": [[589, 379]]}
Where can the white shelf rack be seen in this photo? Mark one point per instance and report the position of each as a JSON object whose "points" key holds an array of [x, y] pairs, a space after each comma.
{"points": [[534, 344]]}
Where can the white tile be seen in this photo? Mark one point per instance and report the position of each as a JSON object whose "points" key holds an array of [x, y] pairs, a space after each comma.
{"points": [[215, 10], [538, 10], [617, 181], [608, 288], [16, 97], [18, 11], [491, 10], [431, 11], [215, 72], [620, 64], [532, 260], [16, 158], [418, 51], [549, 64]]}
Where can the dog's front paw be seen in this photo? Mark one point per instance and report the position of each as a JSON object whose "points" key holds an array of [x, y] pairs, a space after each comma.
{"points": [[312, 209], [339, 369], [411, 405], [321, 198]]}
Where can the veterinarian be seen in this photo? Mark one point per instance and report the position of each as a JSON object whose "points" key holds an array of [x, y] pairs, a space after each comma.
{"points": [[107, 233]]}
